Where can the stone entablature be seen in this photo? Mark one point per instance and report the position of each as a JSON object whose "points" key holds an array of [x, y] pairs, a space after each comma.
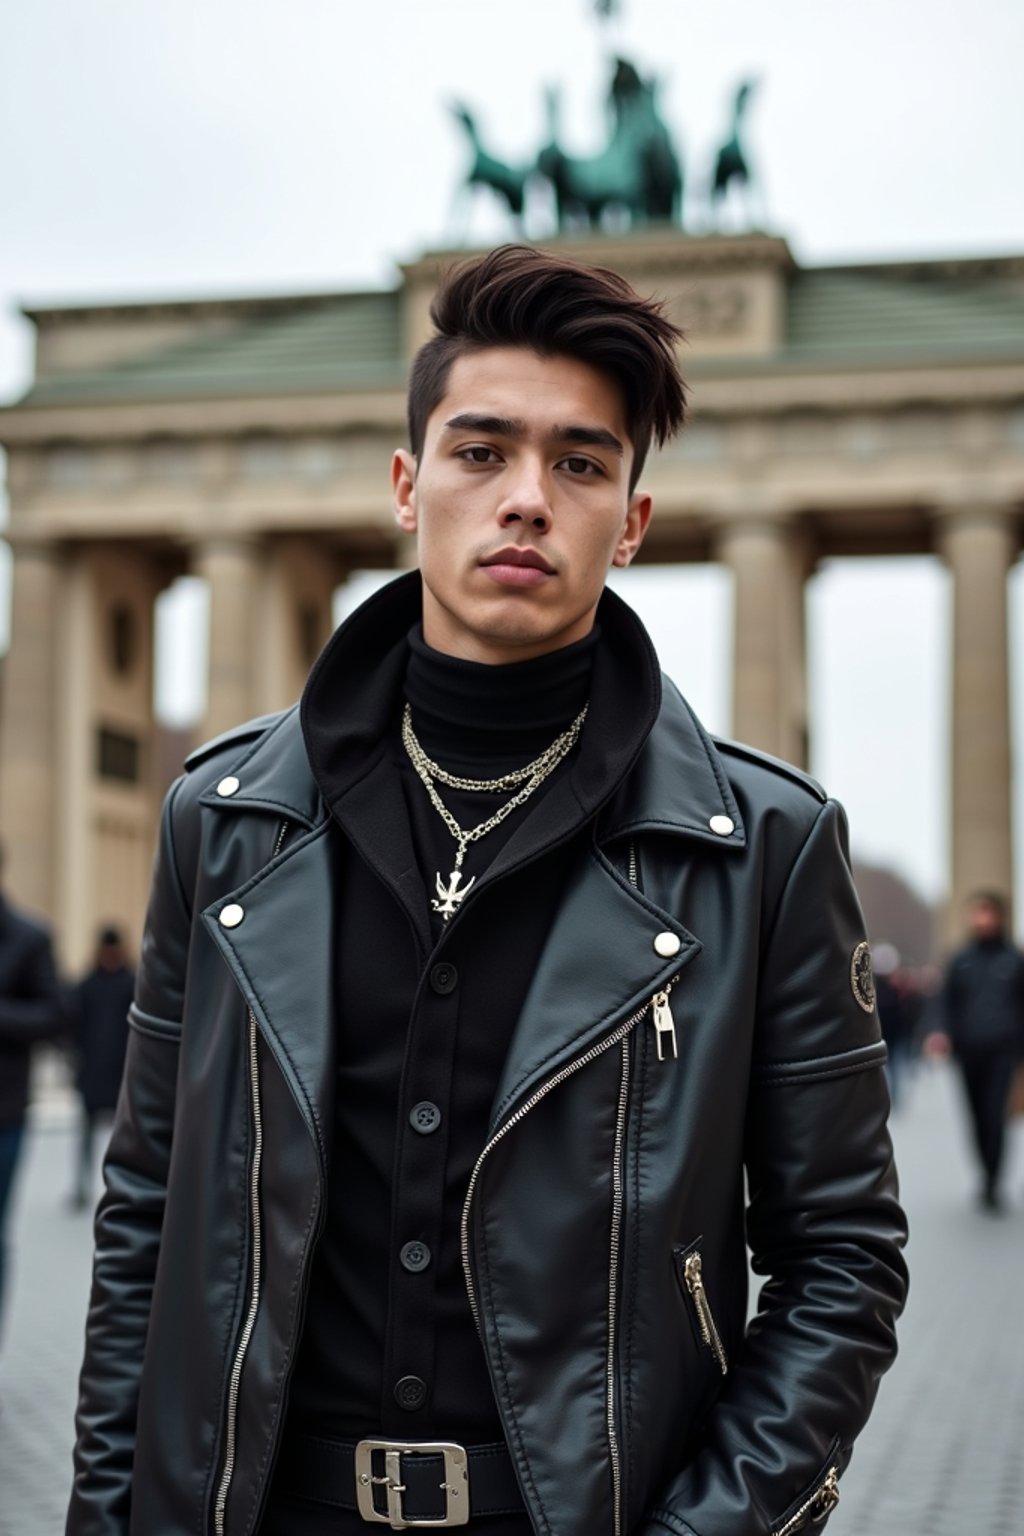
{"points": [[728, 294]]}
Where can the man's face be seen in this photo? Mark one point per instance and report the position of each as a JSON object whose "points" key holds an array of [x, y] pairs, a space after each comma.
{"points": [[984, 920], [520, 503]]}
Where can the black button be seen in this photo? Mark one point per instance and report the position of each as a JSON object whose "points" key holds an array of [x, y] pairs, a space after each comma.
{"points": [[410, 1392], [444, 978], [414, 1257], [424, 1117]]}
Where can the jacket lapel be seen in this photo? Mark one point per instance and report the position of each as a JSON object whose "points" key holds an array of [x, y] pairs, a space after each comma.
{"points": [[599, 966], [281, 955]]}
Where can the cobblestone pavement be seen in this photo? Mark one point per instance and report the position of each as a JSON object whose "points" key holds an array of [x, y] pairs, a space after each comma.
{"points": [[943, 1451]]}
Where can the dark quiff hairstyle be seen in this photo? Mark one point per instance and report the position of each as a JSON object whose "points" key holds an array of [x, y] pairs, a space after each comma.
{"points": [[517, 296]]}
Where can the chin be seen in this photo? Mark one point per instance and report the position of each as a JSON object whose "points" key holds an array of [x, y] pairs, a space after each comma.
{"points": [[523, 637], [505, 621]]}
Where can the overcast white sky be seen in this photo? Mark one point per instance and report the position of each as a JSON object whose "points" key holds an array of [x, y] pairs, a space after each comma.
{"points": [[149, 149]]}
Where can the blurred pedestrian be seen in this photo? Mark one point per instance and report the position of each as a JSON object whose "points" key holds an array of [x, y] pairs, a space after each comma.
{"points": [[100, 1038], [981, 1015], [30, 1011]]}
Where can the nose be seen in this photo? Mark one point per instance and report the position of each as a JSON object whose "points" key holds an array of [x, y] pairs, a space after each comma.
{"points": [[526, 498]]}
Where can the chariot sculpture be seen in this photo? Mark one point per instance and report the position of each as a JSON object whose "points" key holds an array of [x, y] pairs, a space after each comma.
{"points": [[635, 178]]}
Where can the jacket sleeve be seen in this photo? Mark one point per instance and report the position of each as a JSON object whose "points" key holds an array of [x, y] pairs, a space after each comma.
{"points": [[130, 1213], [36, 1012], [823, 1224]]}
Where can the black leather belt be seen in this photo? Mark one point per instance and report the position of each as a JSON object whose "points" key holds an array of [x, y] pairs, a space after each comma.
{"points": [[402, 1482]]}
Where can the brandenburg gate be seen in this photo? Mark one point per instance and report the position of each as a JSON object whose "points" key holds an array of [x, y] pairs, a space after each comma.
{"points": [[871, 409]]}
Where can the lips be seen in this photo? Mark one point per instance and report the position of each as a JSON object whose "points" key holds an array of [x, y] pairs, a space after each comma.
{"points": [[513, 555], [515, 567]]}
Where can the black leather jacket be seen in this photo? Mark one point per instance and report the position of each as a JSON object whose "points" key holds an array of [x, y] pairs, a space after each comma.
{"points": [[606, 1224]]}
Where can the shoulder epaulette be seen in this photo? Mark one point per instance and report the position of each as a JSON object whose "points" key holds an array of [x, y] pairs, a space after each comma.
{"points": [[238, 735], [776, 764]]}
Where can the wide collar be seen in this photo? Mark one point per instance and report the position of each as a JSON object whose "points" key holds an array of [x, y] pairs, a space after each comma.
{"points": [[677, 785], [603, 952]]}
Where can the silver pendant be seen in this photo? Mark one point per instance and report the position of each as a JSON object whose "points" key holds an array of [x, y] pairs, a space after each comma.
{"points": [[450, 894]]}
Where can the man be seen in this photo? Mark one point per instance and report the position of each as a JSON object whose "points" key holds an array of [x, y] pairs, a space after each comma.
{"points": [[981, 1016], [469, 991], [100, 1039], [29, 1012]]}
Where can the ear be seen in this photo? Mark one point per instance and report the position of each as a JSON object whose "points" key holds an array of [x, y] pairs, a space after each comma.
{"points": [[403, 489], [637, 519]]}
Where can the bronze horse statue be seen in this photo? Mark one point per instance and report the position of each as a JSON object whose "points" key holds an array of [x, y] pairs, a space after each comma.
{"points": [[731, 164], [508, 181]]}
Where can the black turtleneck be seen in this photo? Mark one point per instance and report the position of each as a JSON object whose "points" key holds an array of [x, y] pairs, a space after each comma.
{"points": [[477, 719], [426, 1010]]}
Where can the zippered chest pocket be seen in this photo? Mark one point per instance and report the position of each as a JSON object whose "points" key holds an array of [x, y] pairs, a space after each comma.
{"points": [[689, 1270]]}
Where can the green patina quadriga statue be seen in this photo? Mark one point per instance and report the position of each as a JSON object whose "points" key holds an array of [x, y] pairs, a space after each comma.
{"points": [[637, 176], [635, 179]]}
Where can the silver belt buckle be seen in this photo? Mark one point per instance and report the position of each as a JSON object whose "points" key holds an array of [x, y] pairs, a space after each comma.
{"points": [[455, 1484]]}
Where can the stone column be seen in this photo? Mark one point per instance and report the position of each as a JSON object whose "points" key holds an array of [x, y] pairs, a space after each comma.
{"points": [[232, 566], [29, 733], [108, 771], [300, 578], [979, 545], [768, 558]]}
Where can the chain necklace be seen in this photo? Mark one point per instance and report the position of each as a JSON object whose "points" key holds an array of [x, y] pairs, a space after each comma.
{"points": [[528, 779]]}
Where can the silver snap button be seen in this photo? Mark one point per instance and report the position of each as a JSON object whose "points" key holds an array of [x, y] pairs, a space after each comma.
{"points": [[667, 945], [228, 786], [723, 825], [231, 915]]}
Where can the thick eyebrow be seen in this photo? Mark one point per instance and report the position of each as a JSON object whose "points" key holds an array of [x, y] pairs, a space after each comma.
{"points": [[595, 437], [497, 426], [514, 426]]}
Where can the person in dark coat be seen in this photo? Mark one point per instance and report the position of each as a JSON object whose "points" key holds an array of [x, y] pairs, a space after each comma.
{"points": [[30, 1011], [981, 1014], [102, 999]]}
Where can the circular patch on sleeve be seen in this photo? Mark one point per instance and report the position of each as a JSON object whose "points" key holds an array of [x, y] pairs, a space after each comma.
{"points": [[862, 977]]}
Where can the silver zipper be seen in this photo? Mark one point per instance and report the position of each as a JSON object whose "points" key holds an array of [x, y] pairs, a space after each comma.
{"points": [[618, 1192], [821, 1503], [231, 1421], [694, 1278]]}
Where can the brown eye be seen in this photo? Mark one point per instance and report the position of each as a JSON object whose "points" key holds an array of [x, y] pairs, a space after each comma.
{"points": [[579, 466]]}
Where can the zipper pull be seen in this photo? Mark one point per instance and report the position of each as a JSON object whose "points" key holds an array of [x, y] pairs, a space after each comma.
{"points": [[664, 1024], [694, 1277], [828, 1495]]}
